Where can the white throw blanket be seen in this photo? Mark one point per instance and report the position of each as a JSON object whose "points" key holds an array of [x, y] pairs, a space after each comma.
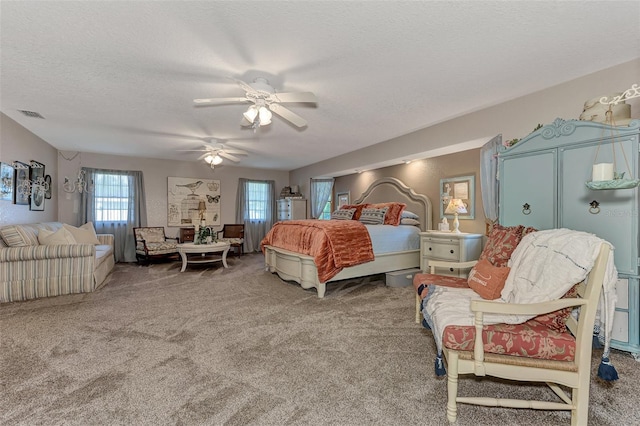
{"points": [[544, 266]]}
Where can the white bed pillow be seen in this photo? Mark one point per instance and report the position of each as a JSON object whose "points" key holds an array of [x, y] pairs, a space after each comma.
{"points": [[50, 238], [409, 215], [85, 234], [409, 221], [373, 216]]}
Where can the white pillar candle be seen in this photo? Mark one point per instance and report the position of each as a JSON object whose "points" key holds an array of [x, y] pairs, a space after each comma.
{"points": [[602, 171]]}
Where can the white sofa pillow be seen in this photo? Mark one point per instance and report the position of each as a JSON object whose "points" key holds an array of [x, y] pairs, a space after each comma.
{"points": [[85, 234], [61, 236]]}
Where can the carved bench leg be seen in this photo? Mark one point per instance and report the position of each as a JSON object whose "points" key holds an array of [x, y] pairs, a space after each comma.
{"points": [[452, 386]]}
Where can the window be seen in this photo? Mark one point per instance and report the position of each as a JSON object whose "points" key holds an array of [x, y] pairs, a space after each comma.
{"points": [[257, 198], [111, 199], [326, 212], [321, 198]]}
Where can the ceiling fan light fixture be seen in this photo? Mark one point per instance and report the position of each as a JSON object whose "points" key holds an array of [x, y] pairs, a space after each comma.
{"points": [[216, 160], [208, 159], [251, 113], [265, 116]]}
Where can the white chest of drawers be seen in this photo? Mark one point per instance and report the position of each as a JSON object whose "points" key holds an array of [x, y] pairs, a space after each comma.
{"points": [[450, 247], [292, 209]]}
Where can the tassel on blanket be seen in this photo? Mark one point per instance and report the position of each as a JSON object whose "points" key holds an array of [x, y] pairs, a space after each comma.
{"points": [[606, 370], [440, 370]]}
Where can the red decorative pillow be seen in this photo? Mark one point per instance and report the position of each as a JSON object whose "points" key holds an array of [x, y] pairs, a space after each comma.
{"points": [[501, 243], [394, 212], [358, 208], [557, 320], [488, 280]]}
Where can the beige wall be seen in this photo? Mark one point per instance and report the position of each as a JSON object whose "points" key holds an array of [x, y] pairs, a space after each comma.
{"points": [[513, 119], [155, 174], [19, 144], [424, 177]]}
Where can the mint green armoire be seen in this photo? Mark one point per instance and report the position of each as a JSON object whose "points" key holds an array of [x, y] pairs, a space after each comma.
{"points": [[542, 184]]}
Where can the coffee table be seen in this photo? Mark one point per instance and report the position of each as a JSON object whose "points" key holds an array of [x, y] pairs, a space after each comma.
{"points": [[205, 252]]}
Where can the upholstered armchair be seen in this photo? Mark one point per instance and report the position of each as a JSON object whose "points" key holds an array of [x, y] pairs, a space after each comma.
{"points": [[234, 235], [152, 244]]}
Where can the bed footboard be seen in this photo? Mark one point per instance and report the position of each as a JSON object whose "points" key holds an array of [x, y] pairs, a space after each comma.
{"points": [[291, 266]]}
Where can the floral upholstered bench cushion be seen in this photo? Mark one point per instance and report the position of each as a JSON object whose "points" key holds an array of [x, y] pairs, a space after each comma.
{"points": [[530, 339]]}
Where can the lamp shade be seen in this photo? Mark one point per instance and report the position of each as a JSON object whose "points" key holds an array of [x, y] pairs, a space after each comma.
{"points": [[216, 160], [251, 113], [209, 159], [265, 116], [456, 206]]}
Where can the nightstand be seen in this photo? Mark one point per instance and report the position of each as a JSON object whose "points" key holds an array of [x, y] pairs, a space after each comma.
{"points": [[187, 234], [451, 247]]}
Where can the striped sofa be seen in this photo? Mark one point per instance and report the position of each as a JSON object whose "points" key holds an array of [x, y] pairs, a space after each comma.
{"points": [[29, 270]]}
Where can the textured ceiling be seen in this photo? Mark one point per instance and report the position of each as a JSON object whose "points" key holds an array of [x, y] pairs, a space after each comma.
{"points": [[120, 77]]}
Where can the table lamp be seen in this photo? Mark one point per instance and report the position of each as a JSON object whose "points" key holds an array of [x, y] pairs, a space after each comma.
{"points": [[202, 207], [455, 207]]}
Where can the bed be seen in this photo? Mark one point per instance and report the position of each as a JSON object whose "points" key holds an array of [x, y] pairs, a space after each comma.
{"points": [[301, 268]]}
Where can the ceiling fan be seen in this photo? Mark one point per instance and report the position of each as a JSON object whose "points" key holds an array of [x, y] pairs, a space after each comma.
{"points": [[213, 152], [264, 100]]}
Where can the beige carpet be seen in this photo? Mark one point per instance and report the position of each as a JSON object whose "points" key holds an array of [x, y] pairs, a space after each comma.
{"points": [[239, 346]]}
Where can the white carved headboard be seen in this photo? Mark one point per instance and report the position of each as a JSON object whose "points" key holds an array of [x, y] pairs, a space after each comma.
{"points": [[390, 189]]}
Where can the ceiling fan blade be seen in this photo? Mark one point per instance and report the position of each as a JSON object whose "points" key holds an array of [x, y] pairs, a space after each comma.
{"points": [[228, 156], [219, 101], [235, 151], [295, 97], [288, 115]]}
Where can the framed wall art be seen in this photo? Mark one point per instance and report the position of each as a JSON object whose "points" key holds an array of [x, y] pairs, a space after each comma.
{"points": [[6, 182], [460, 188], [36, 200], [189, 199], [21, 174], [36, 197], [342, 198], [47, 193]]}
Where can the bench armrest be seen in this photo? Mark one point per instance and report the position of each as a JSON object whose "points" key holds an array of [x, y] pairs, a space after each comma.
{"points": [[492, 307]]}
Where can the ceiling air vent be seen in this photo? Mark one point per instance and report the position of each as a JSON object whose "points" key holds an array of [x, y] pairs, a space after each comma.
{"points": [[31, 114]]}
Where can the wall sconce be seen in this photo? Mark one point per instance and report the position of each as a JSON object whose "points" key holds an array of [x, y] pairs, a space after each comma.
{"points": [[80, 184]]}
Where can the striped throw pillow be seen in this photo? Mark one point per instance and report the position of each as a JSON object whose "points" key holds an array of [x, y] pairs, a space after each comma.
{"points": [[343, 214], [18, 236], [373, 216]]}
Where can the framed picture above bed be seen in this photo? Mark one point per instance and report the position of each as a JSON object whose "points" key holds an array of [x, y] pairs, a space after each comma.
{"points": [[461, 188], [342, 198]]}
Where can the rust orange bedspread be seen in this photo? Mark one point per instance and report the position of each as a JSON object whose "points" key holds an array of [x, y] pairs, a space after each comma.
{"points": [[333, 244]]}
